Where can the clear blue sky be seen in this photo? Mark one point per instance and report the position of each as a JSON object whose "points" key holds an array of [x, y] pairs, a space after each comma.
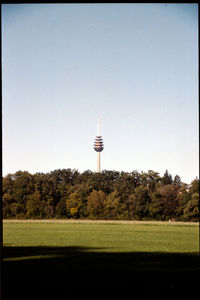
{"points": [[134, 65]]}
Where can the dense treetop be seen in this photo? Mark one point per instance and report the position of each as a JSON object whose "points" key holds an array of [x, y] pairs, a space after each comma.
{"points": [[112, 195]]}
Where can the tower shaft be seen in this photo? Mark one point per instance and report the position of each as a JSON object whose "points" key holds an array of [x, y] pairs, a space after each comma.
{"points": [[98, 162]]}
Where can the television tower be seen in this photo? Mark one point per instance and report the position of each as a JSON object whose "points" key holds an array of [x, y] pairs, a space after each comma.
{"points": [[98, 147]]}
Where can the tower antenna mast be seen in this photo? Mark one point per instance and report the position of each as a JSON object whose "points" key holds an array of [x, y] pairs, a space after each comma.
{"points": [[98, 126]]}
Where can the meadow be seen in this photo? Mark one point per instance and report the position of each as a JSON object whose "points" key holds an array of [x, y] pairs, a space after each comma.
{"points": [[55, 257]]}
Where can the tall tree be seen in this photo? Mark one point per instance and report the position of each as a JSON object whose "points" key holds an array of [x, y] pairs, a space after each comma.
{"points": [[73, 204], [183, 197], [177, 181], [194, 188], [169, 197], [191, 211], [156, 207], [35, 207], [113, 207], [140, 205], [95, 205], [167, 178]]}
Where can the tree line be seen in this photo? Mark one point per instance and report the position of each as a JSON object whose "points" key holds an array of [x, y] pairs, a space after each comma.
{"points": [[109, 195]]}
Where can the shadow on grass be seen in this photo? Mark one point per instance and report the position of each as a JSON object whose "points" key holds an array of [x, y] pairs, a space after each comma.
{"points": [[66, 271]]}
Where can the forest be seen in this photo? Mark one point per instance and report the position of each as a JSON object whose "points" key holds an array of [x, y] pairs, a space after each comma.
{"points": [[109, 195]]}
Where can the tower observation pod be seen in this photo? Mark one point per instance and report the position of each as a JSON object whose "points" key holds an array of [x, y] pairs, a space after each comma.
{"points": [[98, 147]]}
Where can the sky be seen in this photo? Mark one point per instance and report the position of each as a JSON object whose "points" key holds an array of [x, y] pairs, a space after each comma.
{"points": [[133, 65]]}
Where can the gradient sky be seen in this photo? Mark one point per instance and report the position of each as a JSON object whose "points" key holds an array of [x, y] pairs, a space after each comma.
{"points": [[134, 65]]}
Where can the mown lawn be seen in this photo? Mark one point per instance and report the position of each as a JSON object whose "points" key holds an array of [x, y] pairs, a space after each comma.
{"points": [[54, 258], [106, 237]]}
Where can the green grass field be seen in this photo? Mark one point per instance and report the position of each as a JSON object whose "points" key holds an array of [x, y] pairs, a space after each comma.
{"points": [[54, 256], [104, 237]]}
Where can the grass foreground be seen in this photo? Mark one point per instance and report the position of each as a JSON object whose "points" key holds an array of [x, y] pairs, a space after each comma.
{"points": [[63, 258]]}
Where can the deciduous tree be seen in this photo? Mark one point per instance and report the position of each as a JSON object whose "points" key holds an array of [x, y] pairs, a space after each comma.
{"points": [[192, 208], [95, 204]]}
